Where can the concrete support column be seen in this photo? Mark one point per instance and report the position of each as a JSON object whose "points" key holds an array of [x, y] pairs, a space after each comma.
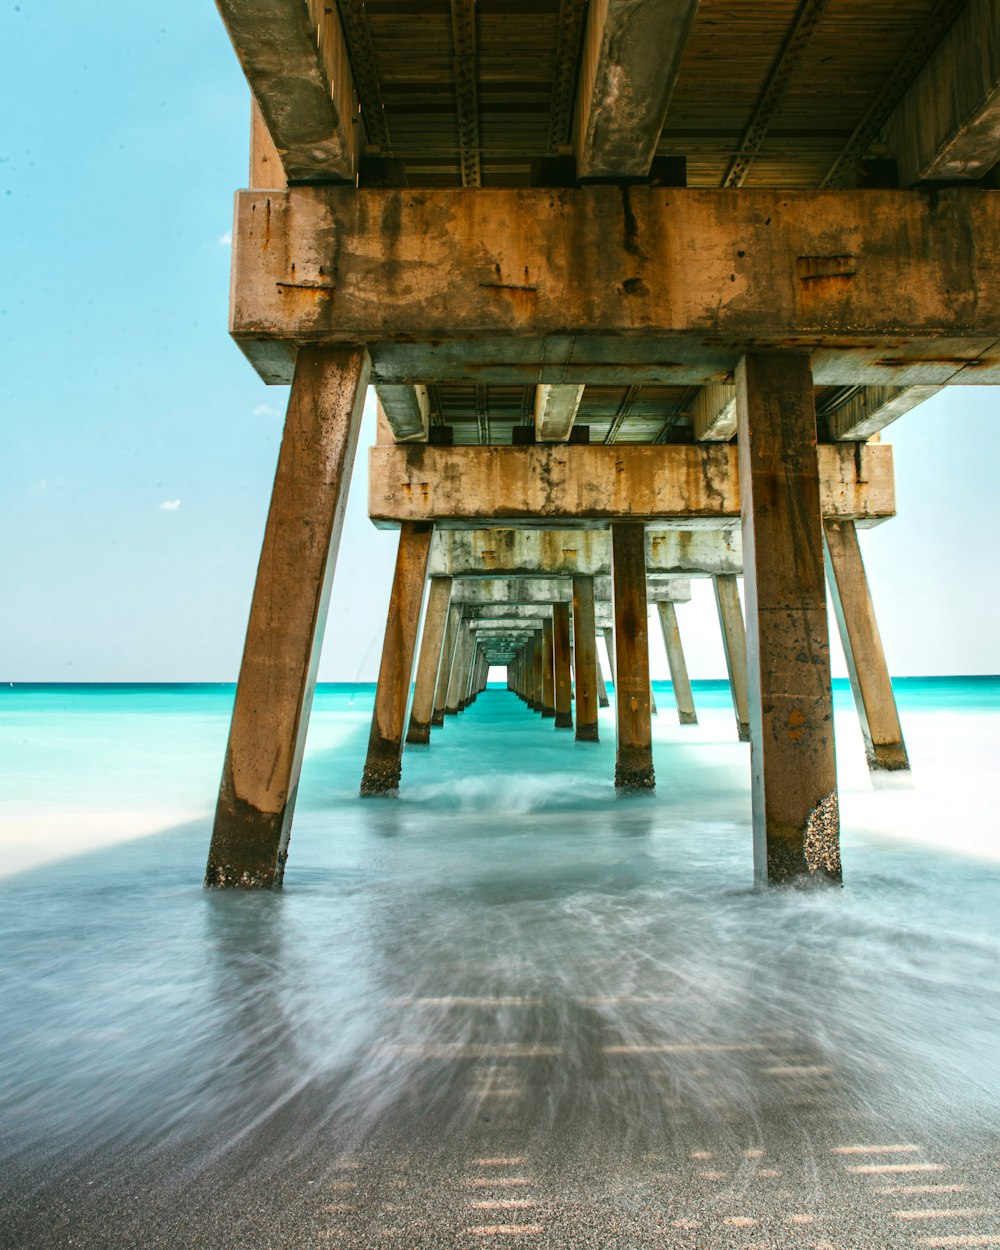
{"points": [[447, 662], [453, 704], [609, 643], [585, 659], [561, 661], [852, 605], [431, 644], [734, 642], [796, 823], [634, 763], [385, 743], [537, 673], [602, 685], [683, 697], [548, 670], [465, 658], [274, 693]]}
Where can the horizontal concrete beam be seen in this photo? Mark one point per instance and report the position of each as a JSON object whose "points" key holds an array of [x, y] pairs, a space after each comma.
{"points": [[471, 486], [631, 55], [407, 411], [872, 408], [295, 60], [555, 412], [713, 413], [947, 126], [563, 553], [483, 598], [888, 287]]}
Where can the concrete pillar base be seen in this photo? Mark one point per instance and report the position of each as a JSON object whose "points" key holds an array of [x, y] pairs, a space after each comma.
{"points": [[743, 730], [888, 757], [564, 720], [418, 734], [380, 777], [634, 770], [438, 718], [687, 718], [587, 733], [548, 711]]}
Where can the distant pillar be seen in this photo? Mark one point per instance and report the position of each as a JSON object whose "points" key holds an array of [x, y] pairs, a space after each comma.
{"points": [[385, 743], [683, 697], [602, 685], [425, 687], [548, 670], [447, 661], [561, 661], [794, 779], [634, 764], [734, 642], [253, 817], [453, 704], [609, 643], [870, 682], [585, 659], [537, 672], [465, 658]]}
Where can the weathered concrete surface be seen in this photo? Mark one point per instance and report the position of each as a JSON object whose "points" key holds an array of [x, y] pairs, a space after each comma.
{"points": [[266, 170], [280, 657], [796, 825], [447, 661], [484, 597], [561, 666], [734, 643], [294, 57], [538, 673], [471, 486], [634, 760], [555, 412], [385, 744], [548, 669], [407, 411], [568, 552], [713, 413], [947, 126], [585, 659], [429, 663], [872, 408], [631, 55], [683, 697], [866, 666], [890, 287]]}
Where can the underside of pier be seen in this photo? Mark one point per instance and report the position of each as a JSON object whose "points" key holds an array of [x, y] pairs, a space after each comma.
{"points": [[638, 285]]}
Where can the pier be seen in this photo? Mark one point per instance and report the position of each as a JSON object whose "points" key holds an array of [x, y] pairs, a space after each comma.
{"points": [[639, 285]]}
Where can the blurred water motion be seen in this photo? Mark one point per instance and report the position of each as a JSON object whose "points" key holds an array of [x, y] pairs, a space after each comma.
{"points": [[511, 965]]}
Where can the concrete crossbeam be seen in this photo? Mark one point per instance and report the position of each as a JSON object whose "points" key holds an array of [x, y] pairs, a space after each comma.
{"points": [[568, 553], [295, 60], [471, 486], [631, 55], [483, 597], [435, 282], [947, 126]]}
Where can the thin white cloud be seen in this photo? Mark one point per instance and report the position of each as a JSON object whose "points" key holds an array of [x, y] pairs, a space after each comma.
{"points": [[170, 505], [265, 410], [225, 240]]}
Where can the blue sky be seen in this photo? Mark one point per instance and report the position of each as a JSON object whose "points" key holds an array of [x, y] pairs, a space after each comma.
{"points": [[125, 137]]}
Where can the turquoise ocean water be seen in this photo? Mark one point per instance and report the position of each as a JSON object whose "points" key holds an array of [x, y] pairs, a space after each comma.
{"points": [[506, 909]]}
